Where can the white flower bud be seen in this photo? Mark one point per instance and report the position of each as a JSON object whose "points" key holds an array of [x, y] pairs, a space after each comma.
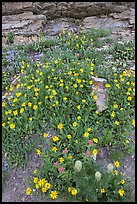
{"points": [[78, 166], [98, 175], [94, 157], [110, 168]]}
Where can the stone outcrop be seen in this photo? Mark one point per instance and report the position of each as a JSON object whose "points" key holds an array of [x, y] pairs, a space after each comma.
{"points": [[66, 9], [26, 19], [25, 22]]}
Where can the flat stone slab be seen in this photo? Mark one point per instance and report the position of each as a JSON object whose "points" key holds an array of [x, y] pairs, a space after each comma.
{"points": [[107, 23], [21, 16], [15, 24]]}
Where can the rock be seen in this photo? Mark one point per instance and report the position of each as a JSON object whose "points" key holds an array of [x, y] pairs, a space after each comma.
{"points": [[124, 15], [15, 24], [97, 10], [55, 27], [21, 24], [21, 39], [72, 9], [4, 41], [105, 47], [132, 12], [9, 8], [49, 5], [100, 90], [15, 81], [38, 26], [3, 97], [132, 20], [132, 68], [41, 17], [103, 23], [62, 6], [17, 17]]}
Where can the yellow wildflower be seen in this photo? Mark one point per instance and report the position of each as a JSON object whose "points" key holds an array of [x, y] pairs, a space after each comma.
{"points": [[118, 86], [79, 117], [83, 100], [107, 85], [55, 138], [18, 94], [23, 104], [115, 105], [3, 104], [69, 156], [89, 129], [127, 82], [127, 141], [29, 104], [28, 191], [116, 163], [53, 194], [15, 112], [35, 171], [54, 149], [129, 98], [47, 185], [117, 122], [113, 114], [61, 159], [94, 97], [21, 110], [74, 124], [45, 135], [75, 85], [122, 181], [116, 172], [95, 140], [12, 126], [86, 134], [95, 151], [121, 192], [54, 92], [78, 106], [133, 123], [102, 190], [64, 98], [81, 70], [38, 152], [35, 179], [69, 189], [69, 136], [60, 126], [44, 189], [74, 191], [15, 100], [35, 107]]}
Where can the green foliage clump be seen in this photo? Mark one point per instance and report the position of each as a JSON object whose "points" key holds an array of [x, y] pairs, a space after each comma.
{"points": [[57, 93]]}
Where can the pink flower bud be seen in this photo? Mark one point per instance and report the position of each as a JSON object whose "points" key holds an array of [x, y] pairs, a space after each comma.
{"points": [[87, 152], [90, 142], [61, 169], [65, 151], [56, 163]]}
